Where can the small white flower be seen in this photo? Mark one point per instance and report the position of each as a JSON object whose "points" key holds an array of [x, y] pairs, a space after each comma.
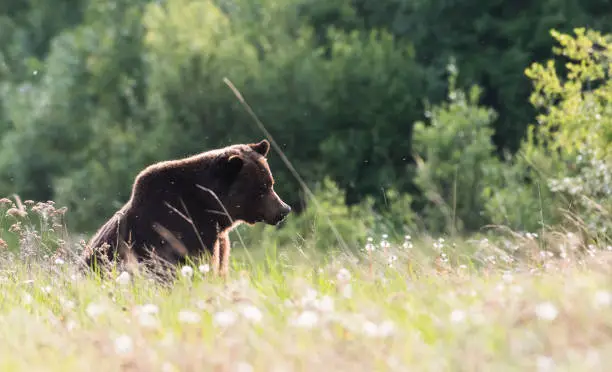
{"points": [[325, 304], [544, 363], [148, 309], [148, 320], [27, 298], [187, 271], [168, 367], [224, 318], [188, 316], [546, 311], [370, 329], [201, 304], [343, 275], [66, 304], [71, 325], [457, 316], [602, 299], [59, 261], [123, 278], [507, 277], [95, 310], [309, 297], [244, 367], [123, 344], [386, 328], [252, 313], [46, 289], [204, 268], [307, 319]]}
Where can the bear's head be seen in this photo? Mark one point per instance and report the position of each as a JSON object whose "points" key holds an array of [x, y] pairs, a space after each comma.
{"points": [[250, 195]]}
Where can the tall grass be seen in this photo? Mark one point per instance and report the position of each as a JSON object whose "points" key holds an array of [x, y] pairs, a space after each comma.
{"points": [[507, 302]]}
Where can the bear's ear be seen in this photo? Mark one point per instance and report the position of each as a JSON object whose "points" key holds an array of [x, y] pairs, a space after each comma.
{"points": [[234, 165], [261, 147]]}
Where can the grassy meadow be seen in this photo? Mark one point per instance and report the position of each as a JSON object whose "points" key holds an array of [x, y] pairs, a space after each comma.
{"points": [[509, 301]]}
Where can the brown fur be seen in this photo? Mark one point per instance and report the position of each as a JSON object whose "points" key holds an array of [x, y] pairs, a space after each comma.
{"points": [[174, 211]]}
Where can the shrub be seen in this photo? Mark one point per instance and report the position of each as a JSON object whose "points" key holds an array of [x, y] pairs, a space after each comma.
{"points": [[454, 151]]}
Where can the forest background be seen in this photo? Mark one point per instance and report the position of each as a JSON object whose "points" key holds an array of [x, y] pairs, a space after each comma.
{"points": [[401, 115]]}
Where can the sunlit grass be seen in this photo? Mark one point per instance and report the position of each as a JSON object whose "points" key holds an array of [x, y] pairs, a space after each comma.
{"points": [[505, 302]]}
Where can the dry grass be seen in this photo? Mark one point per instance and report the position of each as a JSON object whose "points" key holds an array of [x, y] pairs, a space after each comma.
{"points": [[427, 305]]}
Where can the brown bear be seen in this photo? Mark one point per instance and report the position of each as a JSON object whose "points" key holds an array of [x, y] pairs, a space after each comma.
{"points": [[183, 208]]}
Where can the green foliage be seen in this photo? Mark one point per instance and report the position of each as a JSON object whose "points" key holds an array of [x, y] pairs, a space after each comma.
{"points": [[331, 115], [562, 169], [492, 41], [454, 151], [517, 193], [369, 141], [91, 92], [576, 108], [575, 126]]}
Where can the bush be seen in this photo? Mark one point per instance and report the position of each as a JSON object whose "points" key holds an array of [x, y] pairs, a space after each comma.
{"points": [[454, 152], [562, 169]]}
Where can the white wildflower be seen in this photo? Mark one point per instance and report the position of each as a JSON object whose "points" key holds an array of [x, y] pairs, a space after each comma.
{"points": [[27, 298], [59, 261], [343, 275], [309, 297], [507, 277], [46, 289], [201, 304], [168, 367], [307, 319], [602, 299], [384, 329], [244, 367], [369, 245], [94, 310], [147, 309], [146, 315], [325, 304], [384, 243], [204, 268], [251, 313], [71, 325], [546, 311], [224, 318], [544, 363], [147, 320], [123, 278], [187, 271], [188, 316], [124, 344], [370, 328], [407, 242], [457, 316], [67, 304]]}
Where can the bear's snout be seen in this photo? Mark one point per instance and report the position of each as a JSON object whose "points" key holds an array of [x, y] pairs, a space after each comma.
{"points": [[285, 209], [278, 210]]}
